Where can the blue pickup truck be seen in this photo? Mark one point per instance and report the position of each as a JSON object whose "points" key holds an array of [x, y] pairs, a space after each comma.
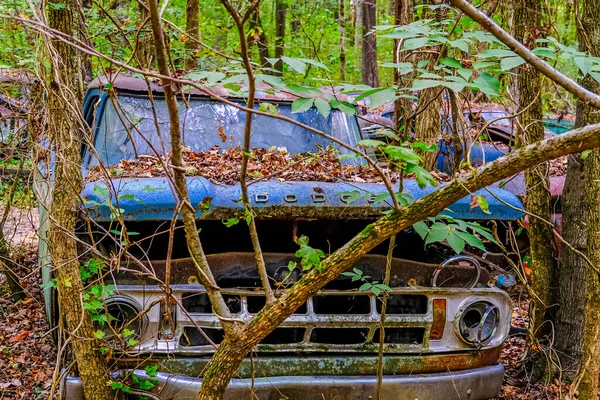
{"points": [[445, 322]]}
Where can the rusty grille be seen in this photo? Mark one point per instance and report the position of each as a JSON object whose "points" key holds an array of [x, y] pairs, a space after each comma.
{"points": [[330, 320]]}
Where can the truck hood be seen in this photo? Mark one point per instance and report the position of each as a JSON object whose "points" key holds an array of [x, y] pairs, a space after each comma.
{"points": [[147, 199]]}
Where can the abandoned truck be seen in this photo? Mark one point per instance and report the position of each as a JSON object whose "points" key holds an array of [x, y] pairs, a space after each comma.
{"points": [[446, 321]]}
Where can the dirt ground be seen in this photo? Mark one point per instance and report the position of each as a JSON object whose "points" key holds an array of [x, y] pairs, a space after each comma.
{"points": [[28, 353]]}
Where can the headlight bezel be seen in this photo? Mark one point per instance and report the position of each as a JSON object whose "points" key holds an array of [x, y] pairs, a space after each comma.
{"points": [[478, 322]]}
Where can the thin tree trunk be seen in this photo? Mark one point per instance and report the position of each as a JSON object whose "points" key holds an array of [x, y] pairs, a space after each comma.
{"points": [[358, 23], [65, 125], [370, 75], [280, 14], [257, 36], [527, 21], [144, 49], [342, 41], [192, 30], [402, 107], [579, 295]]}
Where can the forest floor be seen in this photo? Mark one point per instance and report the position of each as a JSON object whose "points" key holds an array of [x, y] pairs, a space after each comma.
{"points": [[28, 353]]}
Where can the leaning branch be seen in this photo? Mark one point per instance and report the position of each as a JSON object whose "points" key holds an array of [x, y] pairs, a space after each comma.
{"points": [[567, 83]]}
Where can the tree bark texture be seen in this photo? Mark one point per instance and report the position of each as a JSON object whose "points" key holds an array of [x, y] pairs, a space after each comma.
{"points": [[428, 123], [259, 37], [65, 130], [342, 40], [229, 355], [144, 51], [358, 23], [578, 318], [526, 22], [588, 32], [403, 108], [370, 74], [280, 14], [192, 30]]}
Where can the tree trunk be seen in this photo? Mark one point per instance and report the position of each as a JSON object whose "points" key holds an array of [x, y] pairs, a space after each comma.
{"points": [[370, 75], [358, 23], [588, 32], [144, 51], [578, 318], [402, 106], [65, 124], [193, 33], [342, 40], [428, 123], [257, 36], [527, 21], [280, 14]]}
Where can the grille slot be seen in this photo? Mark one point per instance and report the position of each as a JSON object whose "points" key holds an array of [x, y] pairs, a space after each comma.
{"points": [[353, 305], [401, 335], [405, 304], [339, 335], [199, 303], [192, 337], [256, 303], [285, 336]]}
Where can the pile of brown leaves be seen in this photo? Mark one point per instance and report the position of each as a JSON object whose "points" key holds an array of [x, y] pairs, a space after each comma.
{"points": [[27, 352], [224, 166], [558, 166]]}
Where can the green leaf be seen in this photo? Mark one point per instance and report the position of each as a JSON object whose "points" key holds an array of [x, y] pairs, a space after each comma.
{"points": [[401, 153], [415, 43], [451, 62], [421, 84], [509, 63], [460, 44], [421, 228], [465, 73], [585, 64], [296, 64], [343, 106], [116, 385], [472, 240], [422, 176], [146, 385], [100, 191], [370, 143], [302, 104], [487, 83], [497, 53], [365, 286], [437, 233], [479, 65], [544, 52], [585, 154], [381, 197], [483, 203], [323, 106], [457, 244], [382, 97], [231, 222], [99, 334], [350, 197], [403, 67]]}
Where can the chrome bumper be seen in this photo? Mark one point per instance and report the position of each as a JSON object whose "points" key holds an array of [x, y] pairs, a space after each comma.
{"points": [[473, 384]]}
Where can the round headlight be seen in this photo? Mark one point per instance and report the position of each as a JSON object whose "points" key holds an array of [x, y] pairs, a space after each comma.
{"points": [[123, 313], [478, 322]]}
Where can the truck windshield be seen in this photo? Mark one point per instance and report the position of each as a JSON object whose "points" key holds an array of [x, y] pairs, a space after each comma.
{"points": [[129, 128]]}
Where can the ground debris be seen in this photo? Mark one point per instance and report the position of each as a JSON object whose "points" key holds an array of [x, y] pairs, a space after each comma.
{"points": [[27, 352]]}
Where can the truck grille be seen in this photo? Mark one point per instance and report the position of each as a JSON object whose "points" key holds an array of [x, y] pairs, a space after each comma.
{"points": [[331, 320]]}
